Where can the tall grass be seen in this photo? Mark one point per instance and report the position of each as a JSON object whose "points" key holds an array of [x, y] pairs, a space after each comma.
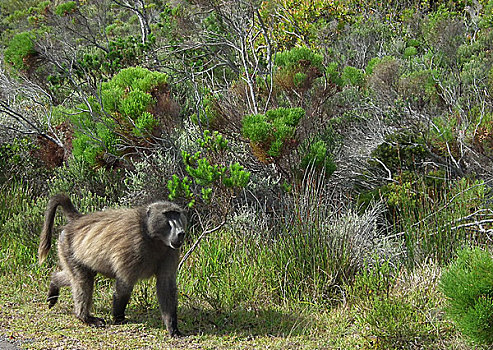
{"points": [[309, 251], [443, 218], [17, 226]]}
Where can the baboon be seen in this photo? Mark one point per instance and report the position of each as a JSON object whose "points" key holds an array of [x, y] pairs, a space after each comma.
{"points": [[124, 244]]}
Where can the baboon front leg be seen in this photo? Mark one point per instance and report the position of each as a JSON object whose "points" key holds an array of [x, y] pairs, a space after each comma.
{"points": [[82, 289], [166, 293], [121, 297], [58, 279]]}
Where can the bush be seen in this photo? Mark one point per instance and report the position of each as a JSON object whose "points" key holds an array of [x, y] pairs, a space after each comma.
{"points": [[128, 98], [468, 287], [403, 150], [298, 68], [352, 76], [208, 176], [19, 50], [18, 163], [318, 247], [298, 56], [318, 154], [273, 131], [78, 178], [65, 8]]}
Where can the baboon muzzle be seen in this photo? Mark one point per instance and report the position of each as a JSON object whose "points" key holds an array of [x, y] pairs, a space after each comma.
{"points": [[177, 242]]}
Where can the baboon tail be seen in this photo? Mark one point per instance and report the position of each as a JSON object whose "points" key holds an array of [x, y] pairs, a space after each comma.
{"points": [[70, 212]]}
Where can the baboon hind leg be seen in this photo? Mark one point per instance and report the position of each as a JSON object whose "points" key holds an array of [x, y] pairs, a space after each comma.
{"points": [[58, 279], [121, 297], [82, 283]]}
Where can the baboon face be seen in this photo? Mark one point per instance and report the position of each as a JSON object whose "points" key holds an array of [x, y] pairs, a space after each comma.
{"points": [[166, 222]]}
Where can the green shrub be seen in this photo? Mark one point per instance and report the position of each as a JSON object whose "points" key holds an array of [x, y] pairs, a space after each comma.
{"points": [[393, 321], [65, 8], [208, 175], [19, 49], [419, 86], [375, 62], [80, 179], [123, 52], [410, 51], [403, 150], [209, 115], [298, 55], [144, 124], [298, 68], [352, 76], [136, 79], [305, 20], [374, 280], [468, 286], [272, 131], [333, 74], [320, 156], [128, 98], [93, 139], [18, 162]]}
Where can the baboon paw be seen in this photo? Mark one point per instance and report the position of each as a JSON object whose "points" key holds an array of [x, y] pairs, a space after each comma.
{"points": [[95, 322]]}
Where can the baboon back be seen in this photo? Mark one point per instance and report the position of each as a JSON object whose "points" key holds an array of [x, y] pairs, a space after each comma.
{"points": [[112, 242]]}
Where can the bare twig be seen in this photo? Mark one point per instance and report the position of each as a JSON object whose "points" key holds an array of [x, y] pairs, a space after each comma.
{"points": [[196, 243]]}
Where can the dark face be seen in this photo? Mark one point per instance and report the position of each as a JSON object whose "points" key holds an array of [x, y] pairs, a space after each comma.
{"points": [[167, 223]]}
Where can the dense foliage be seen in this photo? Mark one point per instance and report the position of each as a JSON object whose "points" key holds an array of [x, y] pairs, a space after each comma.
{"points": [[336, 143], [467, 284]]}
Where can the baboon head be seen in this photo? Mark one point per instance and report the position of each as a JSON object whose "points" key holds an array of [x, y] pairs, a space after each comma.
{"points": [[166, 222]]}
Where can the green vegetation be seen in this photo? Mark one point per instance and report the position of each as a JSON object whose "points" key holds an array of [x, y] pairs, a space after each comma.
{"points": [[272, 131], [215, 180], [335, 158], [20, 50], [467, 285], [124, 112], [65, 8]]}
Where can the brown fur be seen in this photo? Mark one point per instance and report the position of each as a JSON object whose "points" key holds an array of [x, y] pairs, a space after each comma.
{"points": [[125, 244]]}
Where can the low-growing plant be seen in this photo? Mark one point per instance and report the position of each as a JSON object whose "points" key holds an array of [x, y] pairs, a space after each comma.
{"points": [[297, 56], [227, 274], [128, 100], [146, 178], [209, 178], [19, 164], [318, 152], [468, 286], [319, 248], [298, 68], [65, 8], [396, 307], [80, 179], [352, 76], [305, 20], [272, 134], [375, 280], [434, 214], [19, 50]]}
